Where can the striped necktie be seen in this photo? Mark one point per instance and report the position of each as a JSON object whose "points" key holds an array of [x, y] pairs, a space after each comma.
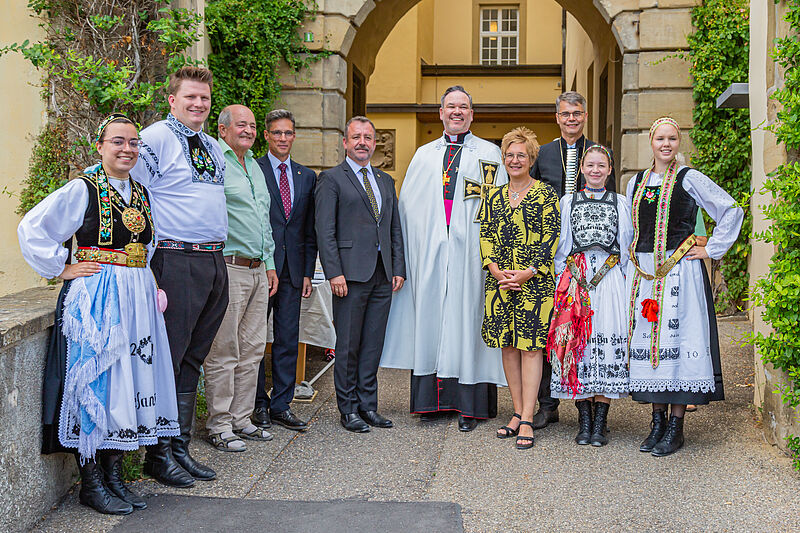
{"points": [[370, 194]]}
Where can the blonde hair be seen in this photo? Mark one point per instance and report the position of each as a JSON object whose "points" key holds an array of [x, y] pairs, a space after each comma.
{"points": [[189, 72], [521, 135]]}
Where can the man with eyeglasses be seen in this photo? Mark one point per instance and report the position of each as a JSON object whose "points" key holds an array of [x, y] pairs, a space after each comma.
{"points": [[435, 327], [558, 165], [291, 213]]}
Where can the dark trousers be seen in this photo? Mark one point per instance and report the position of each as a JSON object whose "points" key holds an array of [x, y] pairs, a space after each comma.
{"points": [[546, 402], [196, 284], [285, 309], [360, 320]]}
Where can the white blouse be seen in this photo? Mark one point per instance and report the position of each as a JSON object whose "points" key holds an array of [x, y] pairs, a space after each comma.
{"points": [[714, 200], [53, 221]]}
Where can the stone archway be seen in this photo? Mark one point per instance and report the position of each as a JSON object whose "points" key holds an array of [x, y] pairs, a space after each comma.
{"points": [[645, 31]]}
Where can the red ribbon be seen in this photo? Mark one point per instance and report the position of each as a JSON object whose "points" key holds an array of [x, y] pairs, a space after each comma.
{"points": [[650, 310]]}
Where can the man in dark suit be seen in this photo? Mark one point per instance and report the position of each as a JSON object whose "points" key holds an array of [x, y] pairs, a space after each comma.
{"points": [[361, 249], [558, 165], [291, 189]]}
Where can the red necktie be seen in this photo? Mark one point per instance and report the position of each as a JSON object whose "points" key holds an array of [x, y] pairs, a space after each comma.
{"points": [[286, 193]]}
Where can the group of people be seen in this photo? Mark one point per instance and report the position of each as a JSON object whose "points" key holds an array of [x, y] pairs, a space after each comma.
{"points": [[517, 266]]}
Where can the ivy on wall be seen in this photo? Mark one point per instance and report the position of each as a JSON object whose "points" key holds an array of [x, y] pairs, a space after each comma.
{"points": [[719, 56], [249, 38], [98, 57], [779, 291]]}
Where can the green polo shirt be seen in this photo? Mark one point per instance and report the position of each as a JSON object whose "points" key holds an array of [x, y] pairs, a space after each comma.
{"points": [[247, 200]]}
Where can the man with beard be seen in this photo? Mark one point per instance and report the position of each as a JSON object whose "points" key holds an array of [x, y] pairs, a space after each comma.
{"points": [[435, 327]]}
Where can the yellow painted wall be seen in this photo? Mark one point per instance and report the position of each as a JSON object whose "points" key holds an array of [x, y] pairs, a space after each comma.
{"points": [[22, 115], [494, 90], [396, 74], [405, 126]]}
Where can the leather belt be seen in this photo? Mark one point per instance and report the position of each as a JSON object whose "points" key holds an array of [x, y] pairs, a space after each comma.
{"points": [[191, 246], [242, 261]]}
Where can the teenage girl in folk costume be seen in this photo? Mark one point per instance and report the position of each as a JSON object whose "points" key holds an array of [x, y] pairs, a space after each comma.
{"points": [[109, 384], [587, 342], [673, 343]]}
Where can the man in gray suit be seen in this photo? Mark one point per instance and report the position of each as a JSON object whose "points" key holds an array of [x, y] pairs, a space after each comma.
{"points": [[361, 248]]}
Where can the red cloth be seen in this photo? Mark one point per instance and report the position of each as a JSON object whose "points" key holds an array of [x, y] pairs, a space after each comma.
{"points": [[571, 326]]}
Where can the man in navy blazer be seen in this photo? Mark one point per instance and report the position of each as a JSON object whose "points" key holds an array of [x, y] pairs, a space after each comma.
{"points": [[291, 188]]}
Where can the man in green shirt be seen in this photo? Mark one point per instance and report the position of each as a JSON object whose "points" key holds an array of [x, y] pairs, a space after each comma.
{"points": [[231, 368]]}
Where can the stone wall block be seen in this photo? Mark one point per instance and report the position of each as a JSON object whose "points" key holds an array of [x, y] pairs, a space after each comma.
{"points": [[646, 4], [328, 73], [611, 8], [306, 105], [334, 110], [656, 70], [626, 30], [662, 29], [347, 8], [307, 147], [332, 149], [339, 34], [652, 105], [630, 111], [630, 72], [678, 3]]}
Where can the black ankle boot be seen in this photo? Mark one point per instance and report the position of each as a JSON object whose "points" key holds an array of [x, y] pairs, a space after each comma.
{"points": [[96, 495], [584, 422], [657, 428], [112, 471], [162, 466], [599, 429], [672, 441], [180, 444]]}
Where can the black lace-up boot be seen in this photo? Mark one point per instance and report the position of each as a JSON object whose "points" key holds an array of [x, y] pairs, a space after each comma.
{"points": [[584, 435], [672, 441], [657, 428]]}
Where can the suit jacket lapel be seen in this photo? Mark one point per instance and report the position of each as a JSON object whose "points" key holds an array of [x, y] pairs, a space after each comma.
{"points": [[356, 180], [383, 185], [272, 183], [294, 175]]}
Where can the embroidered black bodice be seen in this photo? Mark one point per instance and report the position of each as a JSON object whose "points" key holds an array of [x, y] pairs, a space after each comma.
{"points": [[88, 234], [594, 222], [682, 214]]}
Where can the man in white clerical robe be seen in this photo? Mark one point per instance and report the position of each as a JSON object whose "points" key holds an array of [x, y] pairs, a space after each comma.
{"points": [[435, 326]]}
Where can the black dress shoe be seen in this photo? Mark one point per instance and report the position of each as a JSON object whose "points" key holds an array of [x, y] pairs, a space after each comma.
{"points": [[467, 423], [288, 420], [375, 420], [354, 423], [261, 418], [543, 418], [428, 417]]}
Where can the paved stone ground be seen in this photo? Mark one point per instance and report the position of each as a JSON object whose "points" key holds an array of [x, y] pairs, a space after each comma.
{"points": [[725, 479]]}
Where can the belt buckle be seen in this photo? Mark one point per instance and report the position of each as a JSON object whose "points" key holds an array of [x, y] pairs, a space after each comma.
{"points": [[137, 255]]}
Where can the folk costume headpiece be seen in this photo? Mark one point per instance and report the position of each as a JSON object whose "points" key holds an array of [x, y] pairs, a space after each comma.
{"points": [[598, 148], [108, 120], [664, 120]]}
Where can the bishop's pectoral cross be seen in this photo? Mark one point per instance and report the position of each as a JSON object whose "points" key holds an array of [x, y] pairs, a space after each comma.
{"points": [[445, 179]]}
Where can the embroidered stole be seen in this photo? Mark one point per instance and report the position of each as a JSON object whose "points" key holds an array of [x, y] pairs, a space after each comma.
{"points": [[659, 253]]}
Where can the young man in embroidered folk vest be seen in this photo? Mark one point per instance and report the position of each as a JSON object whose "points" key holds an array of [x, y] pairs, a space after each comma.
{"points": [[183, 168], [558, 165]]}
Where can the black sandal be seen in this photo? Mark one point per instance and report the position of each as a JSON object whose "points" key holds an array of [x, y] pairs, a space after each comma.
{"points": [[508, 431], [523, 443]]}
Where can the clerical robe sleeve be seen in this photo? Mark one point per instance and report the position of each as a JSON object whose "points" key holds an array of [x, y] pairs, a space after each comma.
{"points": [[45, 228]]}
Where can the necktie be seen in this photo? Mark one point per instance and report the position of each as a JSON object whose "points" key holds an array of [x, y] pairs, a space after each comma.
{"points": [[370, 193], [572, 169], [286, 192]]}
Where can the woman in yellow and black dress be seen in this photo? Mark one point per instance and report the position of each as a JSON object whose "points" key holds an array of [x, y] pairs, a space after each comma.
{"points": [[519, 234]]}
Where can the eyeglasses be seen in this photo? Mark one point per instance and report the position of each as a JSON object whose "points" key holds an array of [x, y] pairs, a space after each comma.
{"points": [[519, 157], [566, 114], [119, 142], [279, 133]]}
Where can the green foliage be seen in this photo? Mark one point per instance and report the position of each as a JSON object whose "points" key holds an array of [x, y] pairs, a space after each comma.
{"points": [[248, 40], [133, 465], [48, 167], [719, 55], [779, 291], [99, 56]]}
